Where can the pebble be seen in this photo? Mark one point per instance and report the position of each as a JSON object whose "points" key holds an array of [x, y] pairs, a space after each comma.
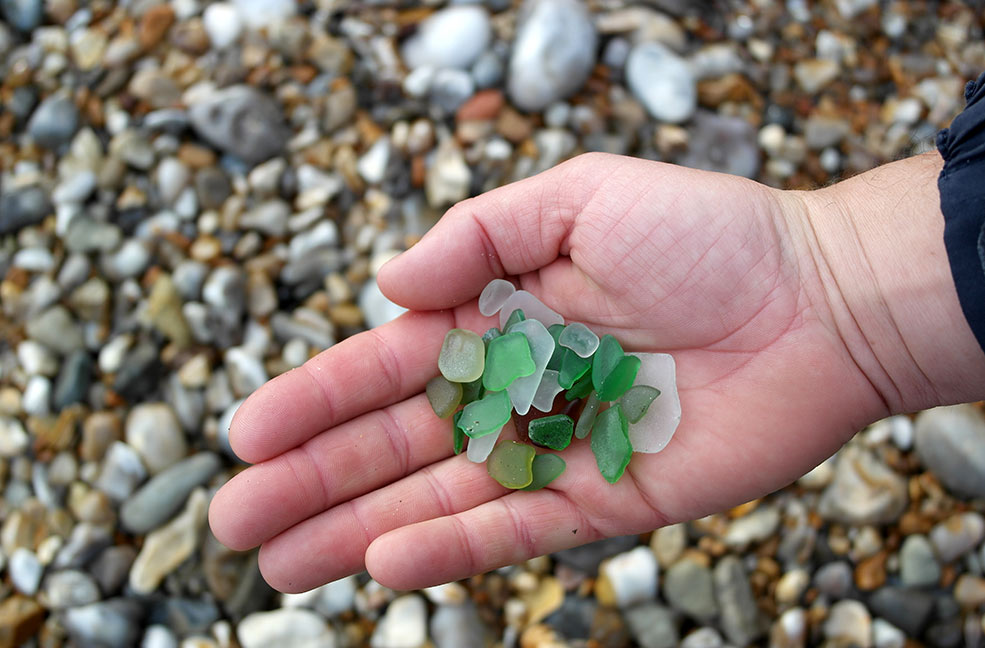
{"points": [[814, 75], [668, 543], [791, 587], [36, 399], [222, 23], [122, 471], [909, 610], [241, 121], [740, 619], [448, 179], [653, 626], [56, 329], [755, 527], [663, 82], [957, 535], [886, 635], [918, 563], [404, 624], [13, 437], [107, 624], [950, 441], [631, 576], [284, 627], [864, 490], [25, 571], [453, 37], [165, 493], [75, 189], [159, 636], [73, 380], [167, 547], [23, 15], [849, 622], [376, 308], [450, 88], [154, 432], [553, 53], [54, 121], [257, 14], [724, 145], [689, 588], [457, 626], [68, 589], [22, 207]]}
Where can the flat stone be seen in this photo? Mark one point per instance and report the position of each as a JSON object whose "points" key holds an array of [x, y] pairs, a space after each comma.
{"points": [[864, 490], [849, 622], [757, 526], [122, 471], [25, 571], [13, 437], [165, 493], [908, 609], [453, 37], [241, 121], [631, 577], [56, 329], [23, 207], [404, 625], [54, 121], [284, 627], [153, 430], [653, 626], [951, 442], [918, 563], [20, 620], [740, 617], [23, 15], [166, 548], [107, 624], [689, 588], [957, 535], [73, 380], [68, 589]]}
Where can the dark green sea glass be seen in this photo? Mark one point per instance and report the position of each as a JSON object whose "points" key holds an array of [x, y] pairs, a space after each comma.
{"points": [[546, 468], [555, 362], [588, 414], [619, 379], [472, 391], [580, 389], [573, 367], [515, 317], [458, 434], [552, 432], [511, 464], [636, 401], [606, 357], [487, 414], [610, 443], [507, 359], [443, 395]]}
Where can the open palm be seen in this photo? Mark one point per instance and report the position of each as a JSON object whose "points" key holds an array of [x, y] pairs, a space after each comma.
{"points": [[354, 471]]}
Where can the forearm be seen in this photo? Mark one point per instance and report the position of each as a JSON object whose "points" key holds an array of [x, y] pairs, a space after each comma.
{"points": [[877, 248]]}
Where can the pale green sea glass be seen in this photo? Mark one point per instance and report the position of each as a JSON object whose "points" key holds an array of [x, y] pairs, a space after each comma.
{"points": [[443, 395], [511, 464], [636, 401], [487, 414], [546, 468], [507, 359], [462, 357]]}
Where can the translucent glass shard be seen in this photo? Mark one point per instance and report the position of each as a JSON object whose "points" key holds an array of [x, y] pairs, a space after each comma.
{"points": [[580, 389], [515, 317], [508, 358], [573, 367], [443, 395], [511, 464], [636, 401], [587, 418], [490, 335], [607, 356], [610, 443], [486, 415], [532, 307], [580, 339], [548, 389], [471, 391], [522, 390], [552, 432], [479, 449], [558, 355], [462, 356], [619, 379], [546, 468], [458, 434], [654, 431], [494, 295]]}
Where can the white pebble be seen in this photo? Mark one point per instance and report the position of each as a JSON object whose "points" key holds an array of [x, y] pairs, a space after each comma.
{"points": [[222, 23], [37, 396]]}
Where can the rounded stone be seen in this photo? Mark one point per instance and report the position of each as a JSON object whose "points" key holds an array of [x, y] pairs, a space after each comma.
{"points": [[153, 430], [662, 81], [951, 442]]}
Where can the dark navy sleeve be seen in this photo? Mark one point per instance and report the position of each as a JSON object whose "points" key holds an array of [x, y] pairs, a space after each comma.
{"points": [[962, 189]]}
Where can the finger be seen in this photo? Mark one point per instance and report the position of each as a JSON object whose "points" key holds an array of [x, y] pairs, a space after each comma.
{"points": [[367, 371], [352, 459], [333, 544], [511, 230]]}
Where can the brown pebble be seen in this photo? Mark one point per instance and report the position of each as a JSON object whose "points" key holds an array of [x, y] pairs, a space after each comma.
{"points": [[190, 37], [513, 126], [99, 430], [913, 522], [154, 25], [482, 106], [195, 156], [346, 315], [870, 574], [20, 619]]}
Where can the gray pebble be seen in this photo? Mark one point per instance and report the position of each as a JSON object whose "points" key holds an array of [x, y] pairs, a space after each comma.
{"points": [[662, 81], [55, 121], [689, 588], [72, 384], [109, 624], [864, 491], [241, 121], [87, 235], [834, 579], [450, 88], [158, 636], [740, 617], [22, 207], [25, 571], [457, 626], [918, 564], [112, 567], [154, 432], [23, 15], [908, 609], [724, 145], [122, 471], [164, 494], [69, 588], [85, 542], [653, 626], [951, 442], [957, 535], [453, 37], [56, 329]]}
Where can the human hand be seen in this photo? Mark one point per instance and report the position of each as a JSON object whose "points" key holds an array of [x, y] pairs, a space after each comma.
{"points": [[354, 471]]}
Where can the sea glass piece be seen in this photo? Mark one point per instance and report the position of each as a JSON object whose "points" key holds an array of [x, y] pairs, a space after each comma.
{"points": [[654, 431], [443, 395], [486, 415], [552, 432], [546, 468], [458, 434], [490, 335], [509, 357], [558, 355], [606, 357], [511, 464], [636, 401], [580, 339], [573, 367], [494, 295], [532, 307], [515, 317], [547, 391], [580, 389], [610, 443], [479, 449], [462, 357], [588, 414], [619, 379], [522, 390], [471, 391]]}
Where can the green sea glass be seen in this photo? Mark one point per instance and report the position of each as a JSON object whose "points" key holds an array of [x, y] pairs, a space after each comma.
{"points": [[511, 464], [552, 432], [619, 379], [546, 468], [487, 414], [462, 357], [610, 443], [515, 317], [458, 434], [443, 395], [636, 401], [471, 391], [573, 367], [580, 389], [606, 358], [554, 364], [490, 335], [508, 358], [588, 414]]}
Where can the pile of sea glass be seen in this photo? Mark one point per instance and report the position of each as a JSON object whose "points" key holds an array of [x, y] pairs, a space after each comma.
{"points": [[527, 362]]}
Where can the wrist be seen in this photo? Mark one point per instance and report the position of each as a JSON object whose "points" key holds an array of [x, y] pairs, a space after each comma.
{"points": [[876, 242]]}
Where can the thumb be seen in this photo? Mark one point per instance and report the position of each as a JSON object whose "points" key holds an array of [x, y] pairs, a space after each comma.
{"points": [[512, 230]]}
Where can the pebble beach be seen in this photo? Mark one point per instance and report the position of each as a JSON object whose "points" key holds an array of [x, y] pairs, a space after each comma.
{"points": [[195, 197]]}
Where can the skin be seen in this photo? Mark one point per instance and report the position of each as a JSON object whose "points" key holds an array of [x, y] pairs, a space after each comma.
{"points": [[795, 319]]}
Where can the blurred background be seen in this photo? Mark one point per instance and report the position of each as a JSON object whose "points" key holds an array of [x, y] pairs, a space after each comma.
{"points": [[195, 197]]}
